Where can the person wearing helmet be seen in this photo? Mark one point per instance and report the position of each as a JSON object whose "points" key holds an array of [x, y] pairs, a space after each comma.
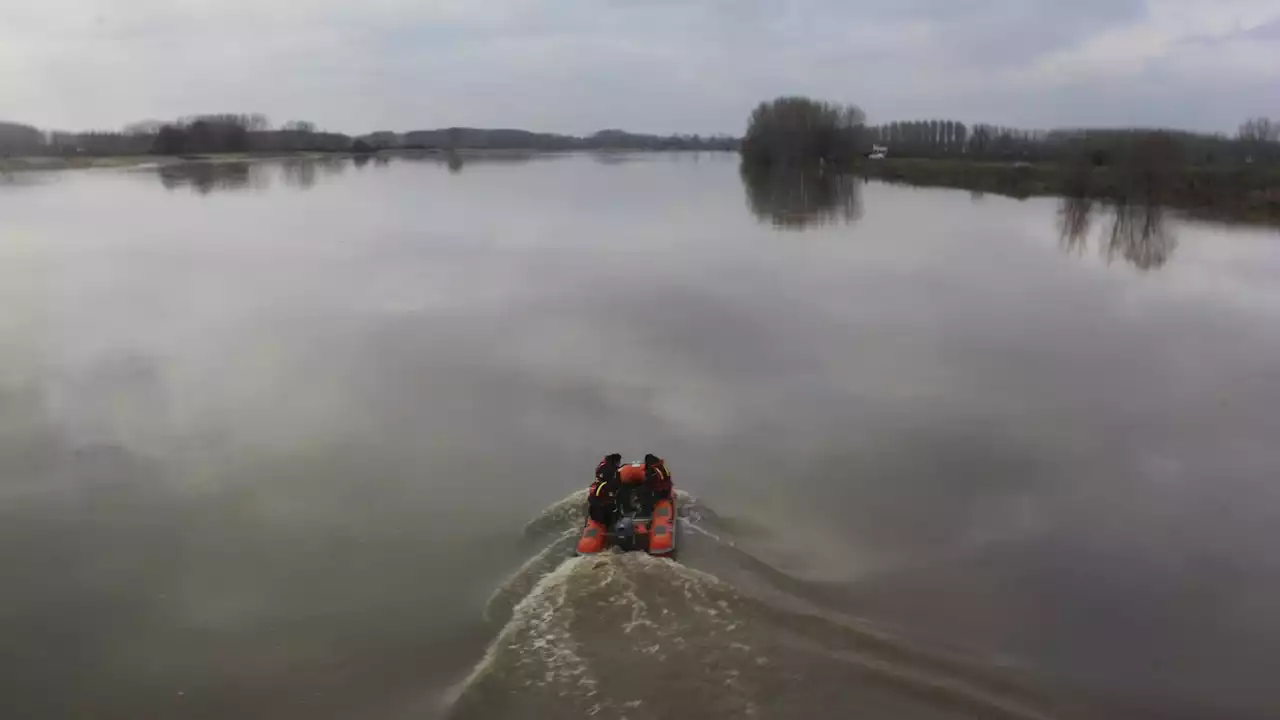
{"points": [[602, 498]]}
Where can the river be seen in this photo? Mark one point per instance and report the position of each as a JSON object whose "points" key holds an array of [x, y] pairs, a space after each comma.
{"points": [[307, 440]]}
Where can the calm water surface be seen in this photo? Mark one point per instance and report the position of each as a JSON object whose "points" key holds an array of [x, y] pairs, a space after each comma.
{"points": [[271, 434]]}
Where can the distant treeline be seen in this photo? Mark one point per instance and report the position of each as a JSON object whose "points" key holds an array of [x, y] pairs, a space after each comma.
{"points": [[799, 130], [508, 139], [788, 130], [252, 133], [1104, 146]]}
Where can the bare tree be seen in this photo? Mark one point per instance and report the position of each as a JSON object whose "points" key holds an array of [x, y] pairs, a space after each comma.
{"points": [[144, 127], [1260, 129], [256, 122], [979, 139]]}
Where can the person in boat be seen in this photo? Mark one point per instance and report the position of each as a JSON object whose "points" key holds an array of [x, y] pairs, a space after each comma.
{"points": [[602, 499], [656, 476]]}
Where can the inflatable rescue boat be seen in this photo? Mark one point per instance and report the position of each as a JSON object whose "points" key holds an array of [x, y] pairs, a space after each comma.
{"points": [[643, 523]]}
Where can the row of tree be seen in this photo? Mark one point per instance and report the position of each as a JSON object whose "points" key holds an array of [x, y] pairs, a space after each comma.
{"points": [[196, 134], [1260, 129], [1256, 142], [785, 130], [222, 135], [792, 130], [510, 139], [935, 136], [237, 133], [940, 138], [18, 139]]}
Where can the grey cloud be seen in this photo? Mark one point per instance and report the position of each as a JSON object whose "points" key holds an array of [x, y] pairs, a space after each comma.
{"points": [[656, 65], [1269, 31], [1008, 36], [1266, 32]]}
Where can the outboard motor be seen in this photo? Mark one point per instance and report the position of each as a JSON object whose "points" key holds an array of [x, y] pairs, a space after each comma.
{"points": [[624, 534]]}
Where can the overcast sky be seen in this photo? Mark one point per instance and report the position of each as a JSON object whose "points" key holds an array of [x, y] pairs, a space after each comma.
{"points": [[651, 65]]}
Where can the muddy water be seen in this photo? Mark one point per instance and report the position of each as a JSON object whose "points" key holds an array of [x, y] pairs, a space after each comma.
{"points": [[296, 440]]}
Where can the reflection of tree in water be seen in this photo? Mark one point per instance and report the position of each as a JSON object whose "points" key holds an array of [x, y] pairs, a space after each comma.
{"points": [[796, 198], [332, 166], [456, 161], [22, 179], [1075, 216], [207, 177], [1139, 235], [605, 157], [1138, 231], [299, 173], [302, 173]]}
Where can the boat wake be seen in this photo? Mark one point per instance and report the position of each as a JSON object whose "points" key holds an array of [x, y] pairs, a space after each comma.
{"points": [[627, 635]]}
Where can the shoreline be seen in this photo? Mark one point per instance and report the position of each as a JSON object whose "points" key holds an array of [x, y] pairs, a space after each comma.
{"points": [[1250, 194], [37, 163]]}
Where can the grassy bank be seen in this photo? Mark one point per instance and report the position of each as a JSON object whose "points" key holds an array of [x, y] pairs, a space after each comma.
{"points": [[1248, 193]]}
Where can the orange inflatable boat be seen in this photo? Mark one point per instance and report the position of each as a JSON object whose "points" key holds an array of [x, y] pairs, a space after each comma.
{"points": [[642, 523]]}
